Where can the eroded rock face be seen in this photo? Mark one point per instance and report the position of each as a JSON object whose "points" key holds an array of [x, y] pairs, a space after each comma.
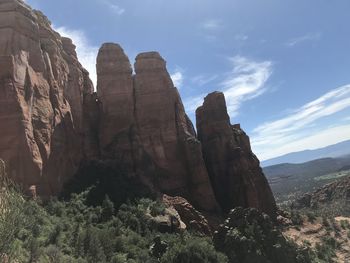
{"points": [[167, 135], [234, 170], [115, 91], [144, 126], [52, 122], [42, 86]]}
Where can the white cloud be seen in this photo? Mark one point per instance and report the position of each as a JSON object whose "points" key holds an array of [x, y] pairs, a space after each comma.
{"points": [[300, 129], [86, 52], [246, 81], [177, 78], [298, 40], [191, 104], [210, 29], [117, 9], [241, 37], [320, 138], [114, 7], [212, 24]]}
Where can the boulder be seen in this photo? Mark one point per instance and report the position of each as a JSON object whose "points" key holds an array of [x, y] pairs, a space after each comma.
{"points": [[192, 218]]}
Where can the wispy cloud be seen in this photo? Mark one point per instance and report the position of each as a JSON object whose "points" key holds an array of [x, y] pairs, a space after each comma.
{"points": [[300, 129], [117, 9], [308, 37], [177, 78], [86, 52], [202, 80], [210, 29], [318, 139], [192, 103], [212, 24], [245, 81], [241, 37]]}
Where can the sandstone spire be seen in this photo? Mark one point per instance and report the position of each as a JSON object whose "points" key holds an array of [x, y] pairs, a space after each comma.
{"points": [[145, 129], [115, 92], [234, 170]]}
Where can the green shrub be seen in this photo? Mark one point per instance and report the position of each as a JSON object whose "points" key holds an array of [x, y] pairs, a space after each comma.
{"points": [[311, 217], [344, 224], [296, 218], [107, 209], [157, 208], [193, 250]]}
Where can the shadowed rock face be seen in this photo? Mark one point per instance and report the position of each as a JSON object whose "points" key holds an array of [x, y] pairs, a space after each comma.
{"points": [[145, 128], [234, 170], [42, 86], [115, 92]]}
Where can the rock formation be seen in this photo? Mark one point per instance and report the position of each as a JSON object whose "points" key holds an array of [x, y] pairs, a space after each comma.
{"points": [[42, 86], [52, 122], [234, 170], [116, 93], [192, 218], [145, 128], [179, 215]]}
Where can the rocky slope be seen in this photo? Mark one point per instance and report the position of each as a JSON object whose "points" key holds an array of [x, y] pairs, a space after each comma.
{"points": [[329, 195], [52, 123]]}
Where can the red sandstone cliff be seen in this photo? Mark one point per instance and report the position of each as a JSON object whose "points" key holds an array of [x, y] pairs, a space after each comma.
{"points": [[145, 128], [52, 121], [42, 86]]}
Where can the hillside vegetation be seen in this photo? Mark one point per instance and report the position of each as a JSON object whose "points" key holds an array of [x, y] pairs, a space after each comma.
{"points": [[77, 231]]}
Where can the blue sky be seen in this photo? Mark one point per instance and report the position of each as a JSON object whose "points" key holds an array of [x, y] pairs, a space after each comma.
{"points": [[284, 66]]}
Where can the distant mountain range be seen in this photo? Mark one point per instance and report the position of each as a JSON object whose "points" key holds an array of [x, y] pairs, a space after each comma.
{"points": [[332, 151], [312, 168]]}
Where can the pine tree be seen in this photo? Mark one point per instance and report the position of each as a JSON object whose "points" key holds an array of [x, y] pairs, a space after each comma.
{"points": [[107, 209]]}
